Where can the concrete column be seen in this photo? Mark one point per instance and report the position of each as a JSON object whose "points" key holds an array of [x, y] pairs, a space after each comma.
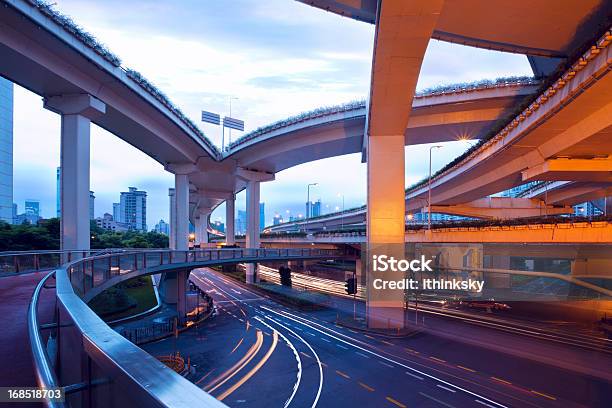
{"points": [[181, 182], [172, 221], [201, 226], [77, 112], [173, 291], [230, 236], [252, 235], [252, 208]]}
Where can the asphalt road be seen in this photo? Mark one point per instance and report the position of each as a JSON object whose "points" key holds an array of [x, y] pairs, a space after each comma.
{"points": [[257, 353]]}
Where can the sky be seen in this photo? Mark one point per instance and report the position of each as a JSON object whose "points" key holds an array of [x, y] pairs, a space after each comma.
{"points": [[278, 57]]}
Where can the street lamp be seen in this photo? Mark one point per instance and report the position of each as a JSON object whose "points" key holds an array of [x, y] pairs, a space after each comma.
{"points": [[308, 205], [231, 98], [341, 216], [429, 188]]}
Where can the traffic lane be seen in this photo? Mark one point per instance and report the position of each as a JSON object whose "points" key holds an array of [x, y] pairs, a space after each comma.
{"points": [[331, 350], [251, 391], [397, 376]]}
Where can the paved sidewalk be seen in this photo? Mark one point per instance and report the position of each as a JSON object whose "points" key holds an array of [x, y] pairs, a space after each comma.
{"points": [[16, 292]]}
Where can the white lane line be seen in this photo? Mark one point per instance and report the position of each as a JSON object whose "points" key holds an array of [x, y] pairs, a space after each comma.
{"points": [[414, 375], [316, 400], [444, 388], [360, 353], [298, 319], [341, 346], [297, 358], [484, 403], [326, 340], [311, 334], [446, 404], [386, 364]]}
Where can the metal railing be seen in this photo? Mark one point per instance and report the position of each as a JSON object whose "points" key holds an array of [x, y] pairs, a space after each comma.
{"points": [[96, 365]]}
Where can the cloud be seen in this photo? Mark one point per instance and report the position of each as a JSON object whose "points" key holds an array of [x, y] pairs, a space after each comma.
{"points": [[279, 57]]}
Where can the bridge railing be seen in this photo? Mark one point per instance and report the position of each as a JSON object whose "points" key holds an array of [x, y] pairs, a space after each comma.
{"points": [[96, 365]]}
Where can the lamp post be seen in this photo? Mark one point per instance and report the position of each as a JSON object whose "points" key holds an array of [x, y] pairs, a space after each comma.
{"points": [[342, 214], [231, 98], [429, 188], [308, 205]]}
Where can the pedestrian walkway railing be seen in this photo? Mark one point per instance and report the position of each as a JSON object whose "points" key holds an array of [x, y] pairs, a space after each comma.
{"points": [[96, 365]]}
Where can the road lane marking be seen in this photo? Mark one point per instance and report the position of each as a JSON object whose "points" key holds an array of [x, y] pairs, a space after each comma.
{"points": [[237, 345], [253, 371], [298, 319], [395, 402], [412, 351], [439, 360], [311, 334], [437, 400], [484, 403], [297, 359], [388, 343], [501, 380], [316, 356], [326, 340], [367, 387], [386, 364], [361, 354], [466, 368], [340, 373], [414, 375], [305, 355], [444, 388], [370, 337], [550, 397], [235, 369], [342, 347]]}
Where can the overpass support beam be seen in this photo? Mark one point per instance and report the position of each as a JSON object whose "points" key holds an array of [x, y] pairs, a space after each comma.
{"points": [[173, 291], [201, 225], [172, 216], [77, 112], [403, 30], [181, 226], [230, 235], [253, 179], [253, 225]]}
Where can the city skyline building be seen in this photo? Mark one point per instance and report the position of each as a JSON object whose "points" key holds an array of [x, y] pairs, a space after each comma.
{"points": [[92, 199], [262, 216], [313, 208], [107, 222], [6, 151], [241, 221], [133, 209], [162, 227]]}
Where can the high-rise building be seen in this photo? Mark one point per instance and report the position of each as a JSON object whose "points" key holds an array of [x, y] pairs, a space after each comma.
{"points": [[6, 151], [241, 222], [262, 216], [133, 209], [117, 212], [219, 226], [32, 207], [162, 227], [92, 199], [58, 192], [277, 219], [313, 208]]}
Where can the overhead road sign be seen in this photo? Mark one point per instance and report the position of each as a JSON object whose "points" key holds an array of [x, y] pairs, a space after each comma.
{"points": [[210, 117], [233, 123]]}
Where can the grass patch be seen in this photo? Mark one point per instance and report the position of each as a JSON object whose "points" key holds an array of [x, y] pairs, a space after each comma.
{"points": [[125, 299]]}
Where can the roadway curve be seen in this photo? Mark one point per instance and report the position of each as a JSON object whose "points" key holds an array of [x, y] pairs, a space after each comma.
{"points": [[302, 359]]}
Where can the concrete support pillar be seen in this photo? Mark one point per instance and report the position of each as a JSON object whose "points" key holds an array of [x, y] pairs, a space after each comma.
{"points": [[252, 236], [173, 291], [172, 216], [77, 112], [403, 31], [385, 224], [201, 226], [181, 182], [230, 235]]}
